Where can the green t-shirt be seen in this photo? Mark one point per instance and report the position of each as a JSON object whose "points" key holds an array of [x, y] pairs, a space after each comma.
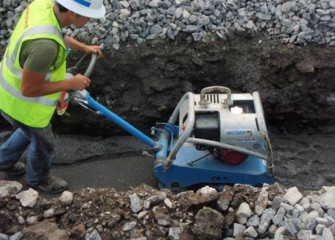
{"points": [[39, 54]]}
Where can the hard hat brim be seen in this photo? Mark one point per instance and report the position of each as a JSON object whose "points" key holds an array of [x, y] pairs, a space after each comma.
{"points": [[83, 11]]}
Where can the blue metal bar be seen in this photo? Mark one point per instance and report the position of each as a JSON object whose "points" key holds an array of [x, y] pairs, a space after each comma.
{"points": [[122, 123], [163, 139]]}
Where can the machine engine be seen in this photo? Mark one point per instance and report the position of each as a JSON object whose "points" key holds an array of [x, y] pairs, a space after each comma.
{"points": [[230, 119]]}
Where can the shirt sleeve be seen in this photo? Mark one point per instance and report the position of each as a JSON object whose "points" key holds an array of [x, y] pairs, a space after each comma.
{"points": [[39, 55]]}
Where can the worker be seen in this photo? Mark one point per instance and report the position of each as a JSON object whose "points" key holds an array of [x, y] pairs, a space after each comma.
{"points": [[32, 78]]}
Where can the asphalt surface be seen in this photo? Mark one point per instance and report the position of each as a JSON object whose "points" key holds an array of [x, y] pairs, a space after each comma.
{"points": [[305, 161]]}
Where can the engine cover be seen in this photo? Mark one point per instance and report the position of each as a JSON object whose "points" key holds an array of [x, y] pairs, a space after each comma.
{"points": [[239, 123], [207, 125]]}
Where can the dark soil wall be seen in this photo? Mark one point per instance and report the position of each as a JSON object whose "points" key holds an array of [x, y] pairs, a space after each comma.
{"points": [[143, 83]]}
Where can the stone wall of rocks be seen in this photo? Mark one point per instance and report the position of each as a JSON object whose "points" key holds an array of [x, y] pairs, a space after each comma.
{"points": [[237, 212], [293, 21]]}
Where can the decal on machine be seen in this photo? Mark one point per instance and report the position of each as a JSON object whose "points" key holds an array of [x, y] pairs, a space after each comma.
{"points": [[238, 132], [256, 146], [239, 140]]}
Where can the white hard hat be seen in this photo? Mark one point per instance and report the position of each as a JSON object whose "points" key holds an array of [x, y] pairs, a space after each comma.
{"points": [[86, 8]]}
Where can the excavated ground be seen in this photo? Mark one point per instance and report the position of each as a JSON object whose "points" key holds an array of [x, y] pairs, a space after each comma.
{"points": [[143, 83]]}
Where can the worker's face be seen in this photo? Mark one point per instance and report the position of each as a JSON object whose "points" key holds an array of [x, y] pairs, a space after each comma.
{"points": [[80, 21]]}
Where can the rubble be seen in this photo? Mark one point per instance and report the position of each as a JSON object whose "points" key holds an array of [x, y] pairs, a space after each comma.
{"points": [[148, 213]]}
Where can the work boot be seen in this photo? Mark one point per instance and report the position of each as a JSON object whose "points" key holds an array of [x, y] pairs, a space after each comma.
{"points": [[17, 169], [52, 185]]}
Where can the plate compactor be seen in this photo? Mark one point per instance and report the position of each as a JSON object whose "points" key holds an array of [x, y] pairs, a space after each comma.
{"points": [[214, 138]]}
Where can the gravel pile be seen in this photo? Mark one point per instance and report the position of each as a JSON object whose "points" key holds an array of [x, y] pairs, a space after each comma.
{"points": [[237, 212], [293, 21]]}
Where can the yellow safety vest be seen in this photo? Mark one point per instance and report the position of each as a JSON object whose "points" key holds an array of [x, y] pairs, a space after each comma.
{"points": [[37, 21]]}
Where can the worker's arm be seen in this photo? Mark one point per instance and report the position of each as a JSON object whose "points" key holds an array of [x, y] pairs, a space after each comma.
{"points": [[35, 58], [75, 44], [34, 84]]}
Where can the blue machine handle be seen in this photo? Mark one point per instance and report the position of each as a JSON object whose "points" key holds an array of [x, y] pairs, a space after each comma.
{"points": [[119, 121], [84, 99]]}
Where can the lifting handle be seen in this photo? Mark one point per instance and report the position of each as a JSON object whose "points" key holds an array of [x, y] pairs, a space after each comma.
{"points": [[81, 94], [212, 89]]}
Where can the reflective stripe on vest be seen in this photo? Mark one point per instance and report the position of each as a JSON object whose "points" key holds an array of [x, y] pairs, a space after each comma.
{"points": [[32, 31], [17, 72], [14, 92]]}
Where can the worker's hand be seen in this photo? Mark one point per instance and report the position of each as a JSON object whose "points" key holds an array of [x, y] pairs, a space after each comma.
{"points": [[79, 82], [94, 49], [89, 49]]}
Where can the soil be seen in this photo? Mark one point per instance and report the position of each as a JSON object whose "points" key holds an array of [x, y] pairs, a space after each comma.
{"points": [[143, 83]]}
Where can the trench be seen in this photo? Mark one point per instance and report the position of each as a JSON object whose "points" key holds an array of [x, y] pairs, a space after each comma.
{"points": [[144, 84]]}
